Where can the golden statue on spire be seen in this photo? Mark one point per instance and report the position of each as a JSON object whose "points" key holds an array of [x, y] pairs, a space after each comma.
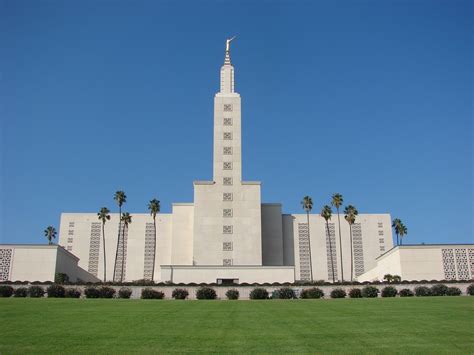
{"points": [[227, 43]]}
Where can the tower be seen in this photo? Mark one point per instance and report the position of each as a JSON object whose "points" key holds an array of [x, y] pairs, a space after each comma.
{"points": [[227, 210]]}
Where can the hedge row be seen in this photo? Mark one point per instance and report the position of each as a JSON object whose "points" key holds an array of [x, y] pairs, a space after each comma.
{"points": [[59, 291]]}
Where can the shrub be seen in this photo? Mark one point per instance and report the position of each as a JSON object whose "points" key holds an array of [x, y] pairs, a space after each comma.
{"points": [[453, 291], [470, 290], [107, 292], [285, 293], [439, 290], [313, 292], [232, 294], [206, 293], [56, 291], [389, 291], [406, 292], [338, 293], [150, 294], [36, 291], [92, 292], [61, 278], [370, 292], [73, 293], [355, 293], [259, 294], [422, 291], [125, 292], [180, 294], [20, 292], [6, 291]]}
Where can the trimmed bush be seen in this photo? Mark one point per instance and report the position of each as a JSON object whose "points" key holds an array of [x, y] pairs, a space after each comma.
{"points": [[56, 291], [355, 293], [92, 292], [180, 294], [36, 291], [125, 292], [453, 291], [61, 278], [6, 291], [422, 291], [259, 294], [470, 290], [73, 293], [206, 293], [389, 291], [370, 292], [150, 294], [284, 293], [406, 292], [107, 292], [20, 292], [313, 292], [232, 294], [439, 290], [338, 293]]}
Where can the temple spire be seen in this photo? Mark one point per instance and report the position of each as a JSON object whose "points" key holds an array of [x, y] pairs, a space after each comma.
{"points": [[227, 71], [227, 51]]}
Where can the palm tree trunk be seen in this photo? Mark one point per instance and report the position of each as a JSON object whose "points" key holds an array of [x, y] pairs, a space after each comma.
{"points": [[352, 253], [330, 251], [401, 241], [154, 251], [397, 237], [118, 242], [123, 251], [340, 245], [309, 244], [103, 242]]}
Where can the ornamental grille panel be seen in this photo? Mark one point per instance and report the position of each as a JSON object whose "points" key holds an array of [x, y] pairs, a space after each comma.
{"points": [[227, 150], [227, 107], [381, 240], [227, 196], [358, 248], [227, 181], [94, 248], [121, 259], [70, 240], [449, 266], [227, 121], [461, 264], [150, 249], [227, 165], [380, 225], [5, 263], [303, 236], [471, 261], [227, 212], [331, 246], [70, 232], [227, 246], [71, 224], [227, 229], [227, 262], [227, 135]]}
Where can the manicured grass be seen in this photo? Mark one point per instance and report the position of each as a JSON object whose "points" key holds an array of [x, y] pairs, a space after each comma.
{"points": [[404, 325]]}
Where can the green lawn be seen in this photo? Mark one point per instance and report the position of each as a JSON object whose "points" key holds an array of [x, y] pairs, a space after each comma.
{"points": [[404, 325]]}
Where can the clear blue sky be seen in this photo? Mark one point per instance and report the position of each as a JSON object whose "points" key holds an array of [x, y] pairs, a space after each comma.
{"points": [[372, 99]]}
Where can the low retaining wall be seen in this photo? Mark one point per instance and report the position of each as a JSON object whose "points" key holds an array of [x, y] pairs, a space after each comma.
{"points": [[244, 291]]}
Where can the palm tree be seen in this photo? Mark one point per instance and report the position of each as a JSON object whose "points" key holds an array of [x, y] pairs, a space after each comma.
{"points": [[120, 198], [337, 201], [307, 204], [403, 232], [50, 234], [350, 213], [326, 213], [126, 219], [154, 207], [104, 217], [396, 224]]}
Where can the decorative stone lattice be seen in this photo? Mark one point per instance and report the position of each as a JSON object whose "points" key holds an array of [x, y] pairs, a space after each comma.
{"points": [[227, 150], [227, 229], [227, 136], [227, 107], [149, 250], [227, 262], [227, 196], [227, 181], [462, 265], [303, 237], [227, 246], [357, 245], [331, 244], [227, 165], [471, 260], [5, 263], [227, 212], [227, 121], [449, 267], [121, 260], [94, 248]]}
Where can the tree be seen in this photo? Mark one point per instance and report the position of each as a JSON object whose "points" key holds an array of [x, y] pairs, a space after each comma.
{"points": [[120, 198], [326, 213], [50, 234], [154, 207], [126, 220], [388, 278], [350, 213], [396, 224], [104, 217], [337, 201], [307, 204], [403, 232]]}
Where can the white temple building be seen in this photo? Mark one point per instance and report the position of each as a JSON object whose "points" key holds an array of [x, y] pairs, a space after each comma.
{"points": [[228, 235]]}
